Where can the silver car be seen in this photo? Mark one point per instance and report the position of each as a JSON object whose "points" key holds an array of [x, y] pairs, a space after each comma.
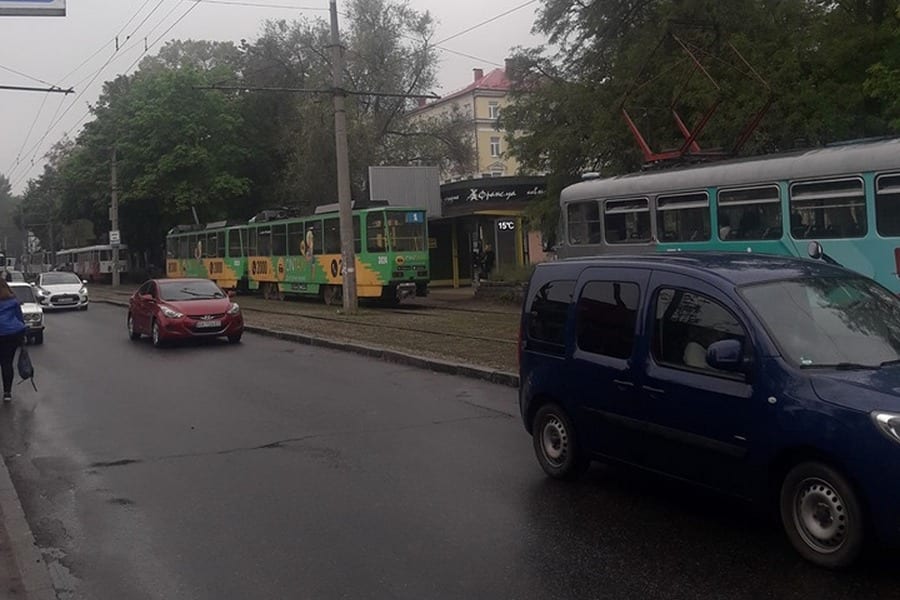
{"points": [[61, 289], [31, 310]]}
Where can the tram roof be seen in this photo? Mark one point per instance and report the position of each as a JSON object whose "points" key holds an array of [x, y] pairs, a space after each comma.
{"points": [[830, 161]]}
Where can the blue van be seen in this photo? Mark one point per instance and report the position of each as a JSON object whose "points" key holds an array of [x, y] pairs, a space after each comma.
{"points": [[774, 379]]}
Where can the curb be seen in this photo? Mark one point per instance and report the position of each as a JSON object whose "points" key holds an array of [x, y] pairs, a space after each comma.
{"points": [[393, 356], [33, 571]]}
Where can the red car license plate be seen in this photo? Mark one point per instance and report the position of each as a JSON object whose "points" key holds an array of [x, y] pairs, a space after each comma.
{"points": [[208, 324]]}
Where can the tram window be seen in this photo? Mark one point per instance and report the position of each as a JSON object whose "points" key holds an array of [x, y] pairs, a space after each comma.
{"points": [[887, 205], [375, 238], [683, 218], [314, 233], [208, 249], [406, 231], [279, 240], [183, 251], [252, 242], [332, 236], [295, 235], [750, 214], [220, 245], [584, 223], [171, 247], [828, 209], [264, 239], [357, 240], [236, 241], [627, 221]]}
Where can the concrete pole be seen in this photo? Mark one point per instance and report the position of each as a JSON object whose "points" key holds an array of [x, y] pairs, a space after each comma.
{"points": [[343, 169], [114, 219]]}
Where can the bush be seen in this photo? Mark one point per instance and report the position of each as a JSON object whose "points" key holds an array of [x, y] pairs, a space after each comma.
{"points": [[517, 274]]}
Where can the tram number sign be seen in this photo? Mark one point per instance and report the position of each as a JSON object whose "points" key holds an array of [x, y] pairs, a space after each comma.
{"points": [[259, 267], [506, 225]]}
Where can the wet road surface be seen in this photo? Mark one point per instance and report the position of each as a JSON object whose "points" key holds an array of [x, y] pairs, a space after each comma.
{"points": [[274, 470]]}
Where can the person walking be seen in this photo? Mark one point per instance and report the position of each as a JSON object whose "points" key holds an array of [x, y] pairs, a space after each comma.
{"points": [[12, 335]]}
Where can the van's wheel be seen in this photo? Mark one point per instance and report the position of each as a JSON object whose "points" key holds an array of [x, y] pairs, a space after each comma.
{"points": [[556, 444], [331, 294], [822, 515]]}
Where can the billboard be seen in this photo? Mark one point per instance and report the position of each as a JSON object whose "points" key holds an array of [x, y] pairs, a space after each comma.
{"points": [[33, 8]]}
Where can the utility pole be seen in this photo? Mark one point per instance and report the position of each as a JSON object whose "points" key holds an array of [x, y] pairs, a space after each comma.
{"points": [[345, 213], [114, 219]]}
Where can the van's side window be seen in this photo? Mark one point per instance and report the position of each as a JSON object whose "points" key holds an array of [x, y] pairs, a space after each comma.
{"points": [[548, 309], [607, 312], [685, 326]]}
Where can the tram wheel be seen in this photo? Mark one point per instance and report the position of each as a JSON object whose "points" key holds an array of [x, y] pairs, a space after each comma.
{"points": [[331, 294]]}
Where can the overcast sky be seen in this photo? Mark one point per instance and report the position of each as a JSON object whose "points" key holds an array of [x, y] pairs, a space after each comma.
{"points": [[50, 49]]}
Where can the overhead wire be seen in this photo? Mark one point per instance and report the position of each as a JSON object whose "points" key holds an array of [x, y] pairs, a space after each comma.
{"points": [[119, 52], [194, 4]]}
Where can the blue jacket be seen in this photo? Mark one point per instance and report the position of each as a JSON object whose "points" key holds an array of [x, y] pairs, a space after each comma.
{"points": [[11, 319]]}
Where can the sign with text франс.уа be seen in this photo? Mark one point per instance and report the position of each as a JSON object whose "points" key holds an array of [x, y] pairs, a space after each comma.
{"points": [[32, 8]]}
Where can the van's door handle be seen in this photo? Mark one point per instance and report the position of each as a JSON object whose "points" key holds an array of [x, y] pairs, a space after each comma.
{"points": [[623, 385], [653, 390]]}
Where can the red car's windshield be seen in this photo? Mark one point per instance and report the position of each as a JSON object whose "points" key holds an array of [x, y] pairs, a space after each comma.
{"points": [[177, 291]]}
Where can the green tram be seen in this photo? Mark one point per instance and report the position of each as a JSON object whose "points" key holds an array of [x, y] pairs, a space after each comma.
{"points": [[845, 196], [302, 255]]}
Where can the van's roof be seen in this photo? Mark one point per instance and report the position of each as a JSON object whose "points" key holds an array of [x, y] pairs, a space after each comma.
{"points": [[738, 268]]}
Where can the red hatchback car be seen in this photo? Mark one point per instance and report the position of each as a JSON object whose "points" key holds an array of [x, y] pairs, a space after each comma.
{"points": [[177, 309]]}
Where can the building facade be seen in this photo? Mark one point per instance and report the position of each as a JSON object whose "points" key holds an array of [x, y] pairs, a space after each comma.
{"points": [[483, 206]]}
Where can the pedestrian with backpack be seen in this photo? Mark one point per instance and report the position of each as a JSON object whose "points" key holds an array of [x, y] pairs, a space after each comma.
{"points": [[12, 335]]}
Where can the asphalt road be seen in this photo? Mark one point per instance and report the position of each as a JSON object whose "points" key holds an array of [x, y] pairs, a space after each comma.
{"points": [[274, 470]]}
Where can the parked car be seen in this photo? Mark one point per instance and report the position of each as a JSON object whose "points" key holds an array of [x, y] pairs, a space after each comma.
{"points": [[31, 310], [61, 290], [774, 379], [15, 276], [176, 309]]}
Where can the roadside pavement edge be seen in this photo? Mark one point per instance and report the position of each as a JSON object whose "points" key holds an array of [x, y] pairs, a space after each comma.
{"points": [[33, 571], [394, 356]]}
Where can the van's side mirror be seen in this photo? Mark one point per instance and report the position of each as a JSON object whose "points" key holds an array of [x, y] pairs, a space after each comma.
{"points": [[725, 355]]}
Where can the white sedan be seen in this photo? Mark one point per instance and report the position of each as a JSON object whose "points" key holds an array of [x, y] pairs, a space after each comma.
{"points": [[61, 289]]}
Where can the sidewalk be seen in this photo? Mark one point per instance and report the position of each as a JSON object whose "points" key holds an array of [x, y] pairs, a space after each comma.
{"points": [[23, 573]]}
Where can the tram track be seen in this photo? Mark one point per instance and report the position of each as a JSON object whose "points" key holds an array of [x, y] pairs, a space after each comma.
{"points": [[322, 318]]}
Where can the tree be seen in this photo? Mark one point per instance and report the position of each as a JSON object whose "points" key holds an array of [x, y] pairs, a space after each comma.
{"points": [[815, 56]]}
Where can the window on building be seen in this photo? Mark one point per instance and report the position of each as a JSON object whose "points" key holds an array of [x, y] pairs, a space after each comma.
{"points": [[750, 213], [548, 310], [627, 221], [686, 325], [607, 312], [493, 110], [887, 205], [828, 209], [584, 223], [683, 218], [495, 147]]}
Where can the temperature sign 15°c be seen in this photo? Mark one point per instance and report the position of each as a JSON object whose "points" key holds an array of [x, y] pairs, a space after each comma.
{"points": [[32, 8]]}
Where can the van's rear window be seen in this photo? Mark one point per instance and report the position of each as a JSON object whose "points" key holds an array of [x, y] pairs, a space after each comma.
{"points": [[547, 308]]}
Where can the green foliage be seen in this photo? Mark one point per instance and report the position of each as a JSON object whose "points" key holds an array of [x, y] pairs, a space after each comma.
{"points": [[833, 68]]}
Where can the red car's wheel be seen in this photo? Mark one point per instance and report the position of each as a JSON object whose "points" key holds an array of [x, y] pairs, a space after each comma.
{"points": [[156, 334]]}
